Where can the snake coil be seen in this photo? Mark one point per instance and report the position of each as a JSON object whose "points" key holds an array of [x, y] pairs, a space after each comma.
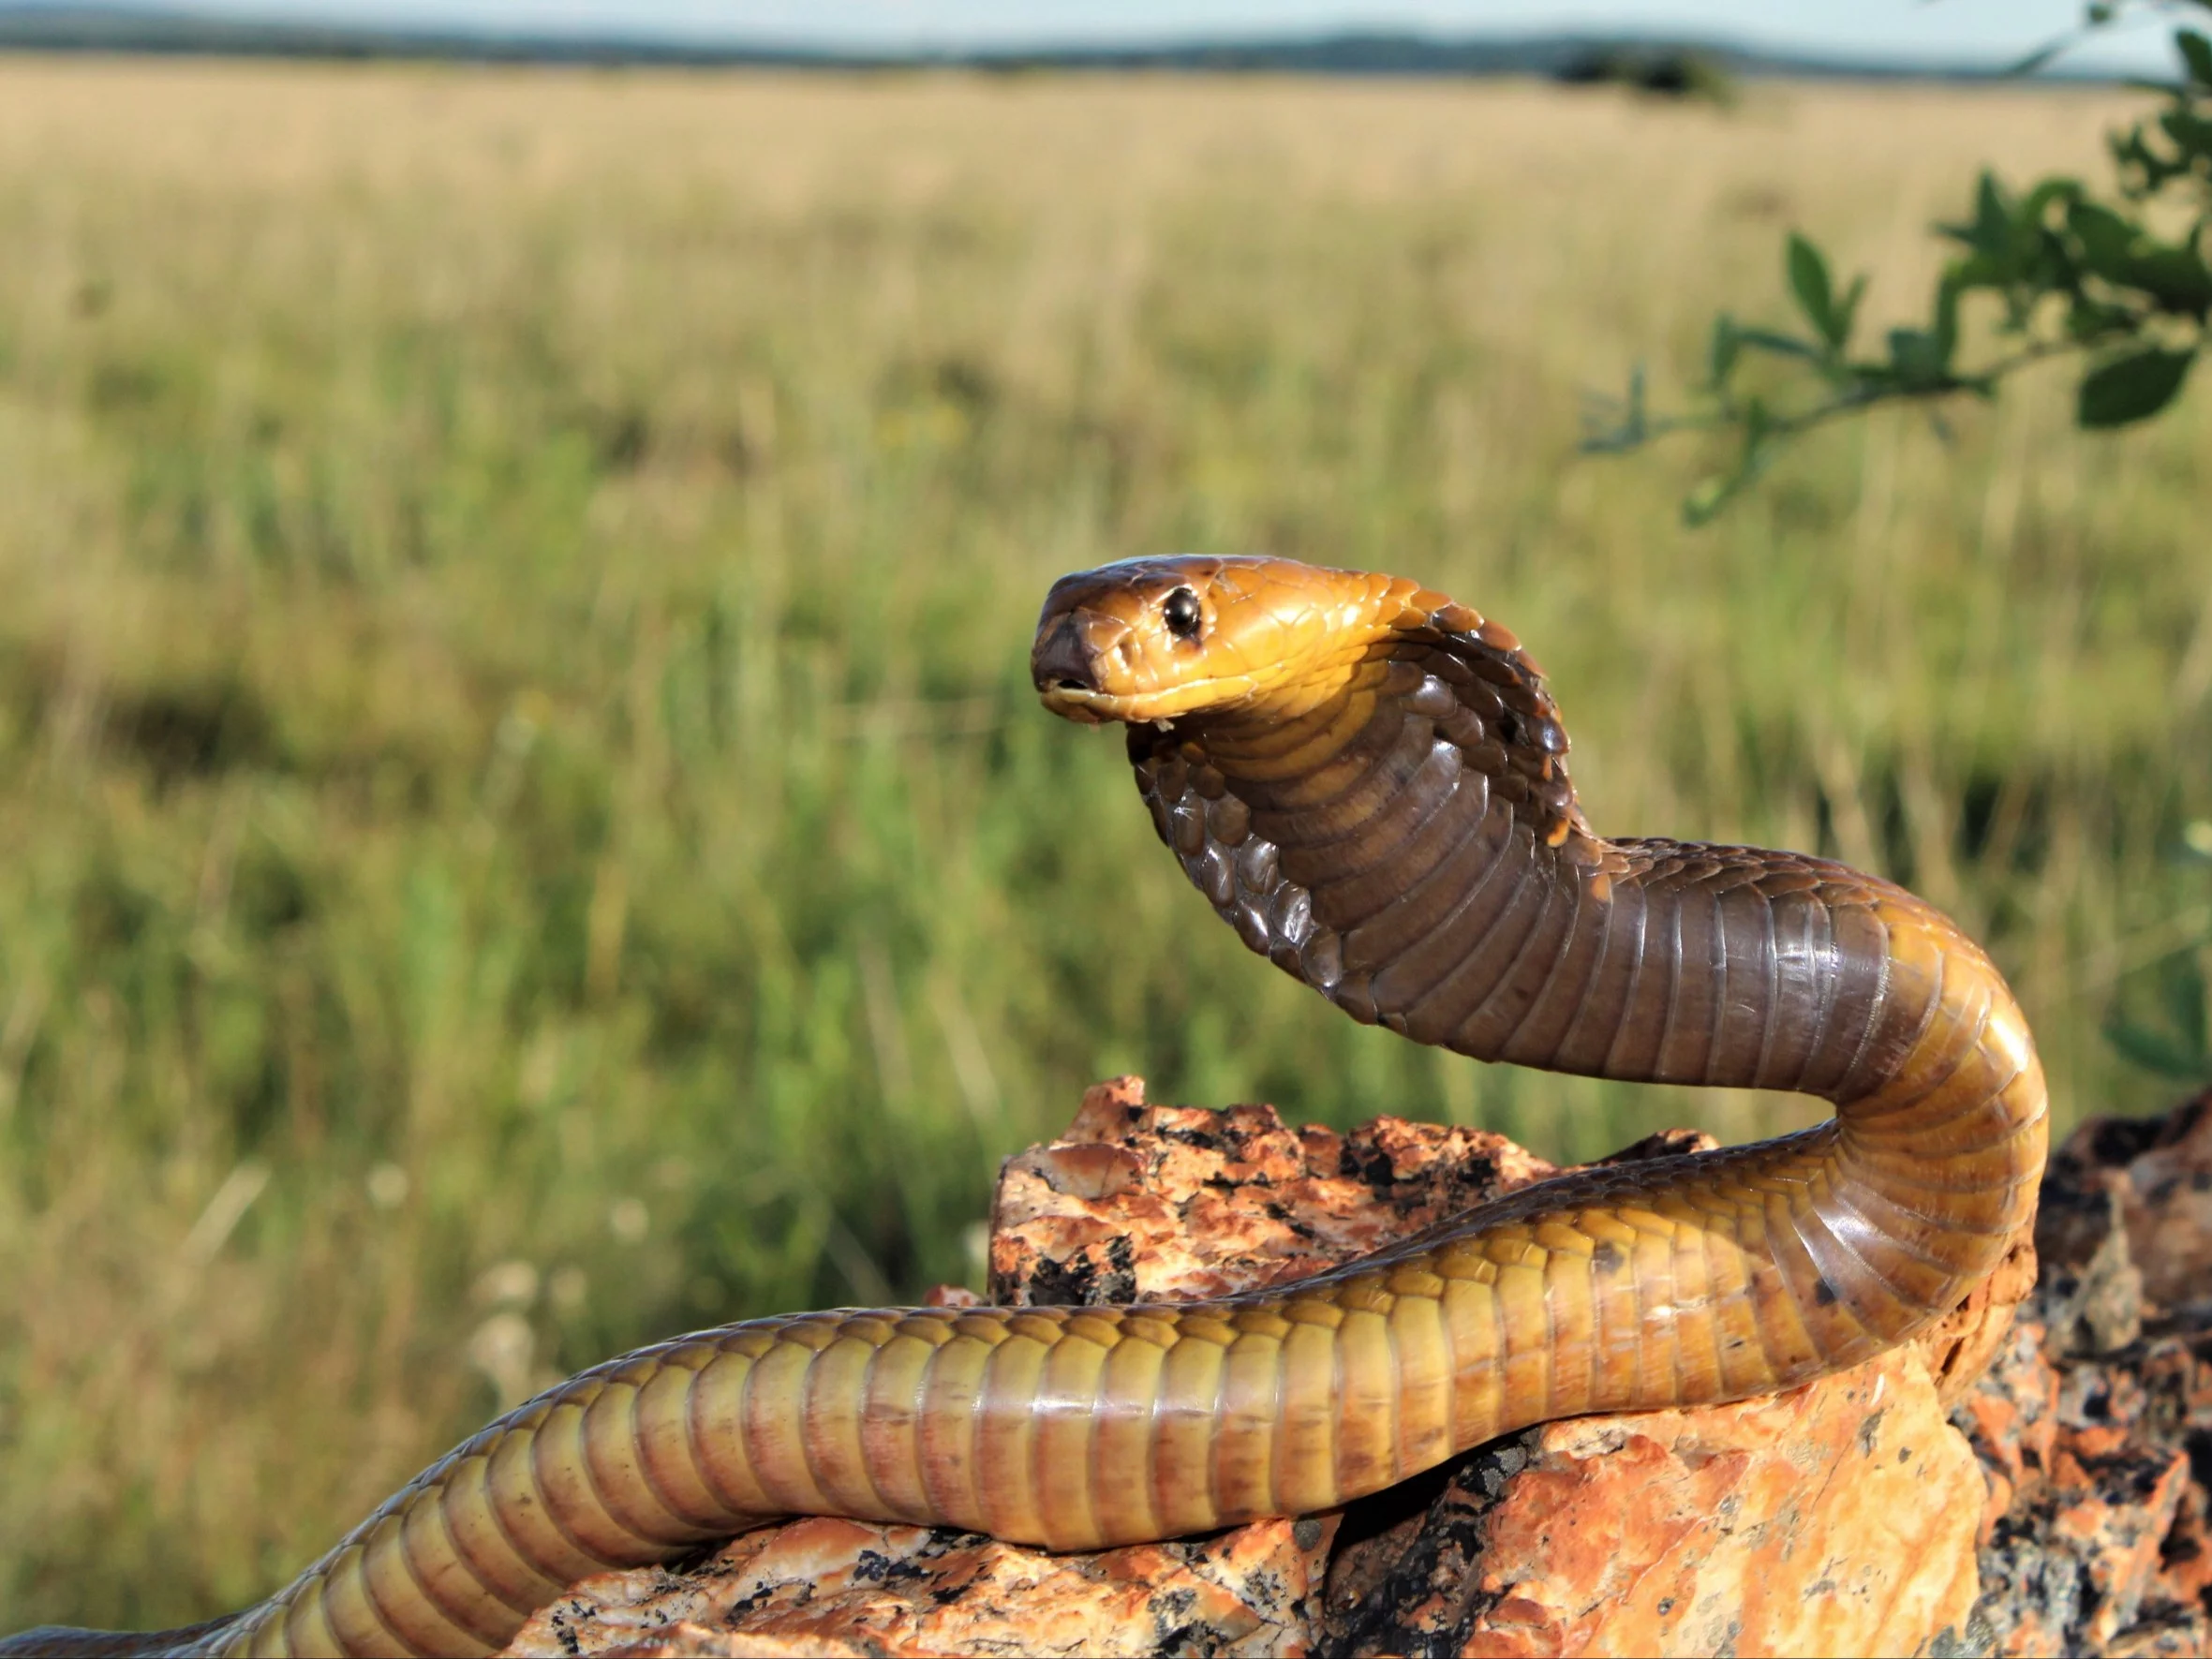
{"points": [[1369, 782]]}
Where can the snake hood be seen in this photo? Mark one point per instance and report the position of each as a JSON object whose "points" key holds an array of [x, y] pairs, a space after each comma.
{"points": [[1308, 683]]}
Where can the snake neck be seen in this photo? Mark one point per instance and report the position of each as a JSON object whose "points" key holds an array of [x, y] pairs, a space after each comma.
{"points": [[1410, 846]]}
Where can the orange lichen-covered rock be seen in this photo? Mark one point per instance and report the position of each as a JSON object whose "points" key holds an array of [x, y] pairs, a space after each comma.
{"points": [[2094, 1427], [2093, 1536], [1837, 1517], [839, 1587], [1178, 1203], [1958, 1348]]}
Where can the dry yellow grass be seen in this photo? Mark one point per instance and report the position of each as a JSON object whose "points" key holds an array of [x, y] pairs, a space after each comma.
{"points": [[521, 826]]}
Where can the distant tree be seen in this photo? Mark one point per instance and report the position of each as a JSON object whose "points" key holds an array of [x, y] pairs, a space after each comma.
{"points": [[2070, 271], [1665, 71]]}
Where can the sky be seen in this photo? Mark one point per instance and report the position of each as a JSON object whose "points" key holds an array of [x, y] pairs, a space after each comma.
{"points": [[1987, 32]]}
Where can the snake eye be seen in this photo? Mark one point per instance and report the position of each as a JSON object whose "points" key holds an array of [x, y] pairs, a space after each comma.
{"points": [[1181, 614]]}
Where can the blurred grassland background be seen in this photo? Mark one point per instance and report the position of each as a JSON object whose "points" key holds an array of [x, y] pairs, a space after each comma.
{"points": [[523, 827]]}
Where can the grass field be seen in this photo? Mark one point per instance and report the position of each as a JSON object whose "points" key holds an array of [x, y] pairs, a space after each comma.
{"points": [[522, 823]]}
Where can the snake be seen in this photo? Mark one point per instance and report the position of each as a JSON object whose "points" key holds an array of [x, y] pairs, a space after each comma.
{"points": [[1369, 782]]}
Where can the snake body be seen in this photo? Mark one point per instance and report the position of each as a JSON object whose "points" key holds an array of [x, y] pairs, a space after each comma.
{"points": [[1369, 783]]}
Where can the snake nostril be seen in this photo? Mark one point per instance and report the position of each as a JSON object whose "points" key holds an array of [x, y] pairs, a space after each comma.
{"points": [[1062, 661]]}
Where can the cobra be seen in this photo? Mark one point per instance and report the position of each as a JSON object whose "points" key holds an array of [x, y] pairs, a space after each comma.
{"points": [[1369, 782]]}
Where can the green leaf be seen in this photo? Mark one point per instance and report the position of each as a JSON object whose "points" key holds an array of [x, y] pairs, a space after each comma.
{"points": [[2129, 150], [1990, 234], [1918, 359], [2107, 240], [1721, 352], [1816, 295], [1993, 214], [1947, 320], [1846, 309], [1615, 426], [2156, 1052], [1703, 505], [2132, 388], [2175, 277], [2190, 133], [1976, 271], [2178, 1047], [2122, 253], [2196, 52], [2037, 202], [1781, 345], [2089, 319]]}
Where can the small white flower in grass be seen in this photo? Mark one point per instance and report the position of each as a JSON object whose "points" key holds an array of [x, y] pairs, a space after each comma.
{"points": [[627, 1220], [507, 1284], [503, 1348], [568, 1288], [388, 1186], [2197, 836]]}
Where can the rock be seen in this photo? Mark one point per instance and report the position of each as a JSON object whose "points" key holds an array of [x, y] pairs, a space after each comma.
{"points": [[2093, 1424], [1835, 1519], [1178, 1203], [824, 1586], [2157, 1174], [1843, 1517], [2085, 1547], [1959, 1347]]}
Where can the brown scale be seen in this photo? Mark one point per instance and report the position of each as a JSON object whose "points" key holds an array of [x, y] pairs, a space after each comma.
{"points": [[1369, 783]]}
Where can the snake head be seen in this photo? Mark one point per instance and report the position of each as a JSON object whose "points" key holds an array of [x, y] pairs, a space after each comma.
{"points": [[1166, 639]]}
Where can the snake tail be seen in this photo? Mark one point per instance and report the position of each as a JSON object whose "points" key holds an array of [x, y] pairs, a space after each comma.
{"points": [[1369, 783]]}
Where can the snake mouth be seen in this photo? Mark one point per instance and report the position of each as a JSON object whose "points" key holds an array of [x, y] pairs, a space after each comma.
{"points": [[1089, 707], [1072, 702]]}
